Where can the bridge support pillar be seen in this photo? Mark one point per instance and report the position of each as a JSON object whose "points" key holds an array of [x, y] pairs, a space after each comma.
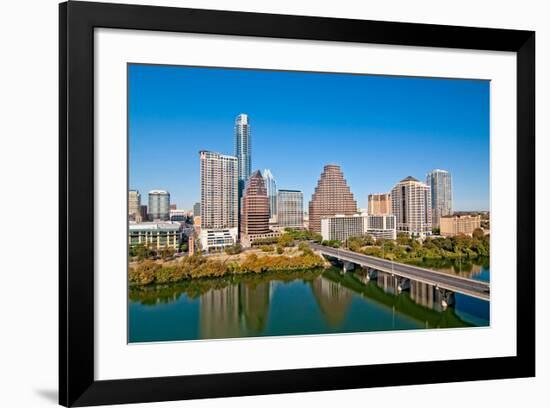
{"points": [[372, 273], [447, 298], [348, 266], [403, 284]]}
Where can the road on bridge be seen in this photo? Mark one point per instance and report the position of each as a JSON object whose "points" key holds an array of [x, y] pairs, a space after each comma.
{"points": [[470, 287]]}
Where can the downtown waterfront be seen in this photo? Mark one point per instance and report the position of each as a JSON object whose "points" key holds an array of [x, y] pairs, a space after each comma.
{"points": [[298, 303]]}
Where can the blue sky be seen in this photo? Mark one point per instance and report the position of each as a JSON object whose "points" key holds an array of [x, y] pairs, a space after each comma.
{"points": [[379, 129]]}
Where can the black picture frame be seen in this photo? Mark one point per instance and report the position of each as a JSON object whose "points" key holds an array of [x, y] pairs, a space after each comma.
{"points": [[77, 21]]}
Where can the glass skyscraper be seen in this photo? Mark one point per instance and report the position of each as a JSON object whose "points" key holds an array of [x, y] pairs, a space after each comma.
{"points": [[440, 184], [271, 186], [242, 146], [242, 153], [159, 205], [290, 208]]}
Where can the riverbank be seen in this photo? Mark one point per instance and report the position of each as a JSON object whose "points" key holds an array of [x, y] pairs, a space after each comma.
{"points": [[409, 250], [149, 272]]}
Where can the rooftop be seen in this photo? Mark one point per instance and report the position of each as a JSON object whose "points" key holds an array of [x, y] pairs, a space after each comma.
{"points": [[408, 178]]}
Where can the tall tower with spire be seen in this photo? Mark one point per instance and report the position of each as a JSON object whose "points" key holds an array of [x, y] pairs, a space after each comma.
{"points": [[332, 197], [242, 150], [242, 146]]}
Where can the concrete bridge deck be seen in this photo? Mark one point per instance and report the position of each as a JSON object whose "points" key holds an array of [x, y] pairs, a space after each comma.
{"points": [[470, 287]]}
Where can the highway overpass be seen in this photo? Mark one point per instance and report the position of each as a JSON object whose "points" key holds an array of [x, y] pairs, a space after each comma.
{"points": [[457, 284]]}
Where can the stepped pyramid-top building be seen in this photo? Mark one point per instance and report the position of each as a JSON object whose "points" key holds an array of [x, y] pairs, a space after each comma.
{"points": [[332, 196], [255, 206]]}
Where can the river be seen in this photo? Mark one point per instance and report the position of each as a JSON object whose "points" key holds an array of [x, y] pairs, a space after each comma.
{"points": [[299, 303]]}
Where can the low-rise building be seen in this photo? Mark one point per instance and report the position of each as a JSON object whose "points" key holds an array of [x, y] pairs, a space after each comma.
{"points": [[250, 240], [459, 224], [217, 239], [342, 227], [155, 235], [178, 215], [381, 226]]}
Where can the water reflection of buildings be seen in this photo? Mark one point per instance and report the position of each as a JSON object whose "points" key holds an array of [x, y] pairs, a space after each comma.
{"points": [[235, 311], [333, 299], [254, 305]]}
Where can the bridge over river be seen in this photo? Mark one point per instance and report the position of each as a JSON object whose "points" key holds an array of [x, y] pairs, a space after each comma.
{"points": [[440, 280]]}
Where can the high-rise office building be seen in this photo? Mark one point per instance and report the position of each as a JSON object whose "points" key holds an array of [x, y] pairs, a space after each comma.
{"points": [[290, 209], [134, 205], [159, 205], [411, 205], [255, 206], [440, 184], [271, 186], [143, 212], [219, 189], [197, 210], [379, 204], [332, 196]]}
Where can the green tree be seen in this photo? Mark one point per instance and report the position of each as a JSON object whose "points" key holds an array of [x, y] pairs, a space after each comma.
{"points": [[478, 233], [285, 240], [234, 249], [403, 239]]}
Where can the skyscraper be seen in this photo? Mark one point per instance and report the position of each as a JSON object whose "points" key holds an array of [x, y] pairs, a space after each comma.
{"points": [[219, 188], [255, 207], [159, 205], [134, 205], [242, 153], [242, 146], [411, 205], [271, 186], [440, 184], [332, 196], [379, 204], [290, 209]]}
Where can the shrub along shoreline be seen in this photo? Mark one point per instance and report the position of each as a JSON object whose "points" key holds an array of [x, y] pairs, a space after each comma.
{"points": [[149, 272]]}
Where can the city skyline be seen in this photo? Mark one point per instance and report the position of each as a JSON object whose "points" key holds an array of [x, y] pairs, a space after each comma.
{"points": [[372, 161]]}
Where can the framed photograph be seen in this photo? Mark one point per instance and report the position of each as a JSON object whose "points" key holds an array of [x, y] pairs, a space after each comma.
{"points": [[255, 203]]}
